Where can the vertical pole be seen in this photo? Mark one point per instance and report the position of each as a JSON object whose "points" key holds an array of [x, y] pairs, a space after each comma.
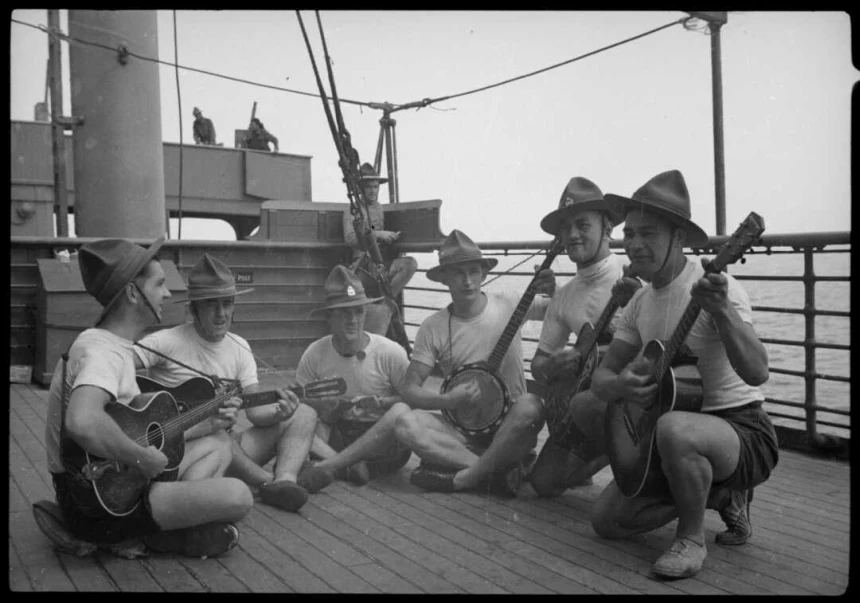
{"points": [[377, 159], [119, 150], [394, 171], [809, 343], [58, 136], [719, 159], [389, 160]]}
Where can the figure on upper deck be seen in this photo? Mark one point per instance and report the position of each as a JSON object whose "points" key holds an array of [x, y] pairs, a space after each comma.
{"points": [[400, 267], [204, 129], [711, 458], [258, 137]]}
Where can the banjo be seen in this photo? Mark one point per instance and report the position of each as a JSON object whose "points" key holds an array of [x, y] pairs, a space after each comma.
{"points": [[483, 416]]}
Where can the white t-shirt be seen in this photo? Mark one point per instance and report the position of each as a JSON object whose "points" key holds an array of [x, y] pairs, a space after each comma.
{"points": [[98, 358], [654, 314], [230, 358], [581, 300], [473, 339]]}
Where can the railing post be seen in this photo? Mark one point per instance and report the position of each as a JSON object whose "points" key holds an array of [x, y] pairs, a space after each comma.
{"points": [[809, 344]]}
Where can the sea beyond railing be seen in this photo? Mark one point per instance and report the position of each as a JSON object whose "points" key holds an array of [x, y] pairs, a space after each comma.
{"points": [[771, 271]]}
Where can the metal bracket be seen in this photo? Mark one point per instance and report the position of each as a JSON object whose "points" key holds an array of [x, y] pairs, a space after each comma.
{"points": [[69, 123]]}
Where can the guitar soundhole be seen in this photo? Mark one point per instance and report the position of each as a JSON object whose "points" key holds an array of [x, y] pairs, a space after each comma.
{"points": [[155, 436]]}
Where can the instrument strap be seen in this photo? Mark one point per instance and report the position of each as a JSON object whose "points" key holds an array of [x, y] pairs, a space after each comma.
{"points": [[450, 309], [216, 380]]}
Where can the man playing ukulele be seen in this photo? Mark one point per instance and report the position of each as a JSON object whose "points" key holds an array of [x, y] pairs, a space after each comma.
{"points": [[711, 458]]}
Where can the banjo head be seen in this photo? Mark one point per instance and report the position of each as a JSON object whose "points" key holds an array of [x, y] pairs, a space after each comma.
{"points": [[484, 414]]}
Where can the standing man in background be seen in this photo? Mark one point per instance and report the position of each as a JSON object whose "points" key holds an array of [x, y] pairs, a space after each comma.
{"points": [[204, 129], [258, 137]]}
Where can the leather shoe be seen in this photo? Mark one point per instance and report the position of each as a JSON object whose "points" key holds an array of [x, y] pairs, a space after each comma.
{"points": [[284, 494], [505, 482], [313, 478], [682, 560], [433, 478]]}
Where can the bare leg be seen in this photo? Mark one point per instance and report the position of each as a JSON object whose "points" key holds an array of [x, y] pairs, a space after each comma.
{"points": [[401, 272], [244, 466], [433, 439], [376, 439], [183, 504], [205, 457], [696, 450], [616, 516], [515, 438], [320, 446], [289, 442]]}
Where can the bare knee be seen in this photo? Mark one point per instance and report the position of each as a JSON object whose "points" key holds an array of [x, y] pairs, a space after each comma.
{"points": [[674, 435], [527, 413], [604, 520], [408, 428], [304, 415], [237, 498]]}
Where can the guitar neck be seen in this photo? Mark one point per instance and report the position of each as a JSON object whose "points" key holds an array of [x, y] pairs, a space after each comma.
{"points": [[590, 339], [517, 318]]}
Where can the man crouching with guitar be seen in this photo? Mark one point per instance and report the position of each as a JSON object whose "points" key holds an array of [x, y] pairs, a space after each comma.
{"points": [[192, 516], [584, 222], [708, 459], [282, 430], [470, 330]]}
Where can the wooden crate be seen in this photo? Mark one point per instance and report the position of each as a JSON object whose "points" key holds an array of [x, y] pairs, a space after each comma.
{"points": [[64, 309]]}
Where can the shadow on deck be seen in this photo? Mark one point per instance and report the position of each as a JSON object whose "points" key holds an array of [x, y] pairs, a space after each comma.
{"points": [[389, 537]]}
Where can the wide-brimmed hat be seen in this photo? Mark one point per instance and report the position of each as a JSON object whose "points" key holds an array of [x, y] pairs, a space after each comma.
{"points": [[666, 195], [458, 248], [367, 172], [343, 290], [211, 279], [108, 265], [580, 194]]}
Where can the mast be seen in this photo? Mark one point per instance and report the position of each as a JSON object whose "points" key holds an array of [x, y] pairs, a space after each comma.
{"points": [[118, 149]]}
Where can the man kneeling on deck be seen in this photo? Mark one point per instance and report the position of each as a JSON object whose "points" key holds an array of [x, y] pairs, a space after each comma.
{"points": [[283, 430], [708, 459], [466, 332], [373, 367], [95, 382]]}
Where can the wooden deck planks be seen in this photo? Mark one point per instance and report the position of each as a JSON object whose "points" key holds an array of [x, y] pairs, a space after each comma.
{"points": [[390, 537]]}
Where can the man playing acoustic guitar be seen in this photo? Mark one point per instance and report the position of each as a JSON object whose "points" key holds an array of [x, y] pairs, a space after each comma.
{"points": [[708, 459], [357, 441], [283, 430], [467, 332], [191, 516], [585, 222]]}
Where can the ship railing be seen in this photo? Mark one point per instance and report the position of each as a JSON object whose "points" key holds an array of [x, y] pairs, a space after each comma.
{"points": [[803, 415]]}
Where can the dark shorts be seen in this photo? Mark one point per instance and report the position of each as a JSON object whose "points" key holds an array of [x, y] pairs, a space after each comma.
{"points": [[345, 432], [85, 518], [759, 451]]}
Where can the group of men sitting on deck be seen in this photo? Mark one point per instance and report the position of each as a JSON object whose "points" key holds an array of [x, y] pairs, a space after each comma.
{"points": [[708, 459]]}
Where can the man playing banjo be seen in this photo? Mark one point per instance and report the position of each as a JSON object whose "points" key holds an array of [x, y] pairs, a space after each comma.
{"points": [[466, 332], [584, 222]]}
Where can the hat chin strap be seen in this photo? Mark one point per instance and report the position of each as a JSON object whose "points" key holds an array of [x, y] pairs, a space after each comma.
{"points": [[148, 303]]}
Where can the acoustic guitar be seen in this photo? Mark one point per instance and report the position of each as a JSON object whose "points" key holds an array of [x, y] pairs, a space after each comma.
{"points": [[630, 427], [154, 418], [563, 387], [484, 415]]}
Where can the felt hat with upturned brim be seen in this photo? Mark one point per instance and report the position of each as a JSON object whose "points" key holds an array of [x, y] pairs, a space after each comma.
{"points": [[458, 248], [211, 279], [368, 173], [580, 195], [667, 196], [343, 290], [108, 265]]}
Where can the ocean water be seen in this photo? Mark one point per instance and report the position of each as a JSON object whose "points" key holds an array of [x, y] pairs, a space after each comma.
{"points": [[828, 329]]}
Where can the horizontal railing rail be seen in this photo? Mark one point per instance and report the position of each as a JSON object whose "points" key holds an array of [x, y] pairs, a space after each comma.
{"points": [[807, 246]]}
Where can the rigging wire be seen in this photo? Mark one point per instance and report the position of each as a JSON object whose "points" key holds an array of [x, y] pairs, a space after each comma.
{"points": [[179, 102], [687, 22]]}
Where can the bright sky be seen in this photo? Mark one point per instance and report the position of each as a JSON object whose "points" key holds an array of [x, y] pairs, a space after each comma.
{"points": [[499, 159]]}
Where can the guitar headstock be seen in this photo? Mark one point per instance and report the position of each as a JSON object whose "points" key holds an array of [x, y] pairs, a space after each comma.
{"points": [[749, 231]]}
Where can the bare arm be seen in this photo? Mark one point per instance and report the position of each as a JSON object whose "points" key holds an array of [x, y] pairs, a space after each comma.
{"points": [[418, 396], [270, 414], [618, 377], [95, 431]]}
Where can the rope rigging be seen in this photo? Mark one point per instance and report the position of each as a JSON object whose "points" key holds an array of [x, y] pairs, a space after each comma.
{"points": [[349, 162]]}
